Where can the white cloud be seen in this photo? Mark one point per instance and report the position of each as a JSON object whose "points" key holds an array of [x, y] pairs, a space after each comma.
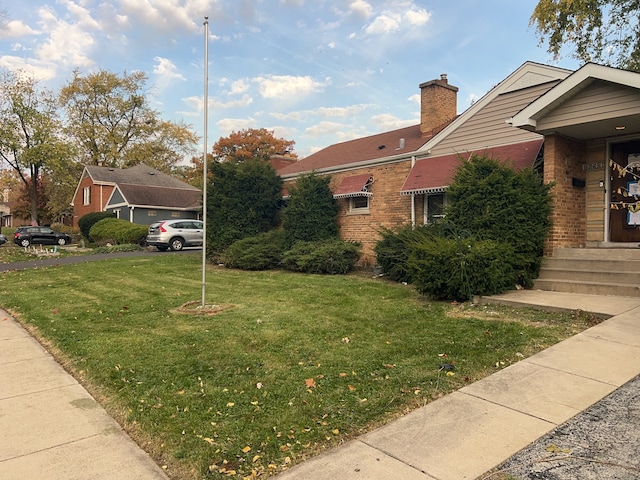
{"points": [[386, 122], [245, 101], [68, 44], [417, 17], [166, 69], [415, 99], [38, 70], [228, 125], [392, 20], [361, 9], [324, 128], [383, 24], [238, 87], [16, 29], [287, 86], [333, 112]]}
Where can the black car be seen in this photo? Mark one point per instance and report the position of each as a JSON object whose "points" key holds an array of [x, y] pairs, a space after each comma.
{"points": [[25, 236]]}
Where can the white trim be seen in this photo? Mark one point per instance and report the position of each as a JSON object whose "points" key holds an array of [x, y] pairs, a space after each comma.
{"points": [[528, 117], [507, 85], [423, 191]]}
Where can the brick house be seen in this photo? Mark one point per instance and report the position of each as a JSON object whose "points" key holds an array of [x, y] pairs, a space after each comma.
{"points": [[139, 194], [401, 177]]}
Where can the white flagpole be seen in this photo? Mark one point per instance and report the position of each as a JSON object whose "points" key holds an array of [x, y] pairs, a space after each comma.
{"points": [[204, 158]]}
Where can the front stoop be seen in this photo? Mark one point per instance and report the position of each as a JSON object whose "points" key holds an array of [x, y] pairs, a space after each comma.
{"points": [[594, 271]]}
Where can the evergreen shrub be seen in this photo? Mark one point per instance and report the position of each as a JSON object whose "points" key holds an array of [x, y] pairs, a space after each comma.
{"points": [[118, 231], [393, 249], [456, 269], [90, 219], [261, 252], [331, 257]]}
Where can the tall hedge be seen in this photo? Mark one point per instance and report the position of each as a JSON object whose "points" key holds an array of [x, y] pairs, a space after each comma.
{"points": [[492, 201], [312, 212], [243, 200]]}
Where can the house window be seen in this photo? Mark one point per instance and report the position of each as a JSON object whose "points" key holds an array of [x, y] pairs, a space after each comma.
{"points": [[152, 213], [175, 215], [434, 208], [359, 204], [86, 196]]}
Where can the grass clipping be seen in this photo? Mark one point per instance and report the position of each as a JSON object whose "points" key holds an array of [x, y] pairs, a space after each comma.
{"points": [[197, 308]]}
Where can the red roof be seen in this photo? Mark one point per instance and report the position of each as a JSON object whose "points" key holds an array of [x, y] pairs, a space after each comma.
{"points": [[382, 145], [354, 186], [435, 174]]}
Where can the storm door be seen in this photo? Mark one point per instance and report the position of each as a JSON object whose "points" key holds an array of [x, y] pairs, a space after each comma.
{"points": [[624, 168]]}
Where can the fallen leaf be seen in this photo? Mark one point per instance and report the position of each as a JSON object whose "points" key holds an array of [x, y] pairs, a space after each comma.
{"points": [[352, 388], [343, 375], [246, 449], [388, 365], [310, 383], [230, 404], [335, 431]]}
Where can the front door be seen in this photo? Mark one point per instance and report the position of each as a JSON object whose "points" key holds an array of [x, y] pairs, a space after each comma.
{"points": [[624, 223]]}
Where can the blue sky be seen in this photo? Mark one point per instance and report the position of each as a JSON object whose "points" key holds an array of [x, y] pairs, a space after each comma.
{"points": [[316, 72]]}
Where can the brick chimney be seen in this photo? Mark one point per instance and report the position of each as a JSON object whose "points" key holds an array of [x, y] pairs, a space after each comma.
{"points": [[438, 104]]}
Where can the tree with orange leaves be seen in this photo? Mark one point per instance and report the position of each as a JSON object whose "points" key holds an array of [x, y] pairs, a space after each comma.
{"points": [[251, 144]]}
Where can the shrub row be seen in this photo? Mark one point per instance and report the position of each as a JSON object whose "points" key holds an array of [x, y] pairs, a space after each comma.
{"points": [[268, 251], [117, 231]]}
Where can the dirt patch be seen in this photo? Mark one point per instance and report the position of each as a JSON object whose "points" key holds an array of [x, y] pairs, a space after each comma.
{"points": [[196, 308]]}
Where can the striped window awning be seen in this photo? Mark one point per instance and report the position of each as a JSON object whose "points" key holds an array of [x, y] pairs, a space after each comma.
{"points": [[354, 186]]}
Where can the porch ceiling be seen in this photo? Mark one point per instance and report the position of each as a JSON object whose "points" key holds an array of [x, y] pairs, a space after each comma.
{"points": [[606, 128]]}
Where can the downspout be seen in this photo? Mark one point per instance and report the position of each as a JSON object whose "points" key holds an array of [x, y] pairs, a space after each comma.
{"points": [[131, 213], [413, 198], [607, 197]]}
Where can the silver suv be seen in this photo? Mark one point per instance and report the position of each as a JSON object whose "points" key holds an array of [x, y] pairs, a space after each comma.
{"points": [[175, 234]]}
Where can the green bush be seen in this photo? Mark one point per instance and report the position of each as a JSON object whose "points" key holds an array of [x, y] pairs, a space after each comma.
{"points": [[261, 252], [325, 257], [458, 268], [117, 231], [311, 213], [242, 201], [492, 201], [90, 219], [393, 249]]}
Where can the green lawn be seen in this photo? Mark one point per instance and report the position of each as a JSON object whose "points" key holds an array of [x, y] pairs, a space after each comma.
{"points": [[297, 364]]}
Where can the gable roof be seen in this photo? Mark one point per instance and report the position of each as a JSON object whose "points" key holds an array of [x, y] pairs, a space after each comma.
{"points": [[484, 124], [355, 153], [145, 184], [151, 196], [481, 126], [140, 174], [593, 119]]}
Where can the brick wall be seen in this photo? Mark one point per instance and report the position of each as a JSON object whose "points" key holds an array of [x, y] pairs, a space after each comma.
{"points": [[563, 161], [99, 196], [387, 208]]}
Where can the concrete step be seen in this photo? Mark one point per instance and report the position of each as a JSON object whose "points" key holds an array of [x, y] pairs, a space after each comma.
{"points": [[591, 275], [594, 271], [598, 253], [589, 264], [591, 288]]}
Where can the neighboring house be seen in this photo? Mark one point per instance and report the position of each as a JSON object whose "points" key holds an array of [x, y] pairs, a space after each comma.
{"points": [[401, 177], [139, 194]]}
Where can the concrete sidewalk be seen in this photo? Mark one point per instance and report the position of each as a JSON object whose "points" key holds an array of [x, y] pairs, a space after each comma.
{"points": [[469, 432], [50, 427]]}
